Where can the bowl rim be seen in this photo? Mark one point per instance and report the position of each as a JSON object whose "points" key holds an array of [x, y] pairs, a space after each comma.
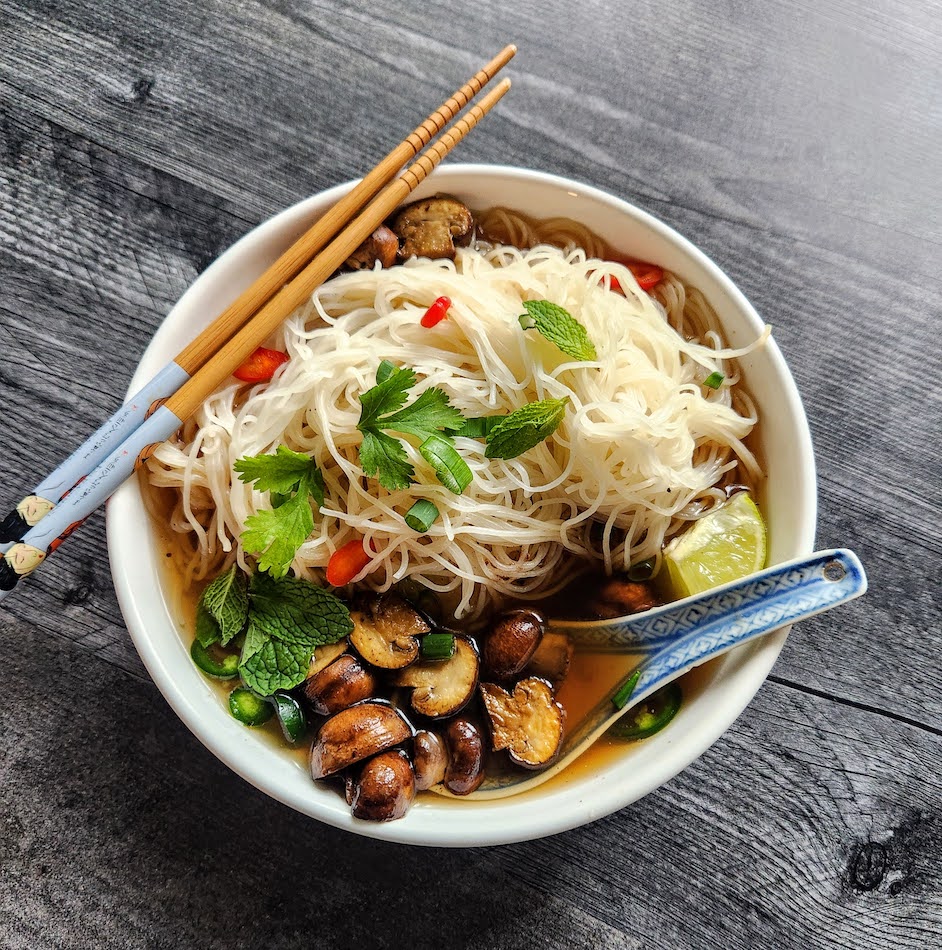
{"points": [[518, 823]]}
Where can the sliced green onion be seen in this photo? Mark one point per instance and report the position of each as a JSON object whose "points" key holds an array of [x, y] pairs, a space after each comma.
{"points": [[450, 468], [290, 716], [714, 380], [421, 516], [206, 659], [248, 707], [526, 321], [642, 571], [478, 427], [626, 689], [437, 646], [384, 371], [650, 716]]}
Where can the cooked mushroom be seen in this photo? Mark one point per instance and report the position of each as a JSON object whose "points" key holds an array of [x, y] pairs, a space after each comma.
{"points": [[443, 687], [385, 628], [528, 722], [325, 655], [344, 682], [511, 642], [382, 245], [432, 227], [620, 596], [465, 770], [355, 734], [429, 759], [385, 787], [552, 659]]}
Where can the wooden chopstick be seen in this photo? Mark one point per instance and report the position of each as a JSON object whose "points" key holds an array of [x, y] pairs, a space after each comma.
{"points": [[97, 447], [46, 536], [234, 351]]}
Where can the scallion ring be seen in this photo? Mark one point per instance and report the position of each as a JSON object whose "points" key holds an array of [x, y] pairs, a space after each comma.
{"points": [[421, 516], [450, 468], [437, 646], [714, 380]]}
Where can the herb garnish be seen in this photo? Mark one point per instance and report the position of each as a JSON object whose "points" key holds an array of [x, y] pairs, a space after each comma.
{"points": [[525, 427], [292, 480], [284, 619], [383, 408], [559, 326]]}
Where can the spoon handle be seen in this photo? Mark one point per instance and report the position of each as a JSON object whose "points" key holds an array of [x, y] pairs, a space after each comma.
{"points": [[676, 638]]}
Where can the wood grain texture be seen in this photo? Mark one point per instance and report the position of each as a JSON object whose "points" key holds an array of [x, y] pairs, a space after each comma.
{"points": [[797, 144]]}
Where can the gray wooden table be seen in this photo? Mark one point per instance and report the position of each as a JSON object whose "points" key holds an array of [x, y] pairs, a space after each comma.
{"points": [[798, 144]]}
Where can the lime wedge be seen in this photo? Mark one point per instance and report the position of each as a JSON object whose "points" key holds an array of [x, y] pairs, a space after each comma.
{"points": [[723, 546]]}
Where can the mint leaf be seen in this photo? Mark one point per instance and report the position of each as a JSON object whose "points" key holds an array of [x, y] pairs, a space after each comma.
{"points": [[526, 427], [558, 326], [383, 454], [207, 630], [255, 639], [277, 665], [226, 602], [276, 534], [298, 611], [280, 473]]}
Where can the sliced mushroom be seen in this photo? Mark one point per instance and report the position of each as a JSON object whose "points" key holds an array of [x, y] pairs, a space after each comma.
{"points": [[429, 759], [465, 770], [325, 655], [355, 734], [528, 722], [382, 245], [432, 227], [443, 687], [385, 787], [552, 659], [345, 682], [385, 628], [620, 596], [511, 642]]}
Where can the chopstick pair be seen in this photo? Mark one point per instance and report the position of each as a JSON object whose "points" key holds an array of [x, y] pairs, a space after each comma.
{"points": [[66, 497]]}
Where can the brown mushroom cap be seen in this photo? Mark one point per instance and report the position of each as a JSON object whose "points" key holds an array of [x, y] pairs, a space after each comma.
{"points": [[511, 642], [431, 227], [354, 734], [382, 245], [344, 682], [443, 687], [385, 787], [619, 597], [429, 758], [325, 655], [528, 722], [465, 770], [385, 628], [552, 659]]}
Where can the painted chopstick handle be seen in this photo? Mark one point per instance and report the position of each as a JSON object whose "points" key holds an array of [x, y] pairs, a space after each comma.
{"points": [[94, 450], [42, 539]]}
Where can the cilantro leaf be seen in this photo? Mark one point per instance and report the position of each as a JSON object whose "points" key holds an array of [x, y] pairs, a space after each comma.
{"points": [[526, 427], [279, 473], [277, 665], [383, 454], [227, 604], [559, 326], [276, 534], [383, 408]]}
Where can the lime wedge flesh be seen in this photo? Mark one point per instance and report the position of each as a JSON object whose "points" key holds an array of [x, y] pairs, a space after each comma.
{"points": [[723, 546]]}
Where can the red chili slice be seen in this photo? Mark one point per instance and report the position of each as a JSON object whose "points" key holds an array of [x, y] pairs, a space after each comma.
{"points": [[436, 313], [346, 562], [261, 366], [648, 276]]}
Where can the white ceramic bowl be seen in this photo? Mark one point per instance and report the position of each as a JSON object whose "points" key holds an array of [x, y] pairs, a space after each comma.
{"points": [[585, 794]]}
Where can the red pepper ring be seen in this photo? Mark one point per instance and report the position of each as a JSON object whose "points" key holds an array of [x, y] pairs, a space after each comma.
{"points": [[348, 561], [261, 366], [436, 313], [648, 276]]}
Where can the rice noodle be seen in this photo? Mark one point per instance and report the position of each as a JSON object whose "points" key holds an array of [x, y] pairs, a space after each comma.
{"points": [[643, 448]]}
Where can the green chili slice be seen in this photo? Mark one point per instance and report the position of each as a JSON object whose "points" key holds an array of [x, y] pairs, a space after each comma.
{"points": [[207, 659], [248, 707], [650, 716], [290, 715]]}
